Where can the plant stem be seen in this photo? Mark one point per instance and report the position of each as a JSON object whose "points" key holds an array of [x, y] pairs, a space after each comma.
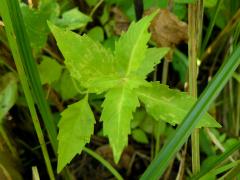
{"points": [[95, 8], [11, 15], [91, 14], [165, 71], [195, 12], [103, 162]]}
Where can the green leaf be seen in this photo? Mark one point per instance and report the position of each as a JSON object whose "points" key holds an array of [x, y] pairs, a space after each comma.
{"points": [[185, 1], [91, 2], [96, 33], [131, 47], [67, 81], [153, 3], [73, 19], [209, 3], [8, 93], [138, 117], [206, 144], [110, 43], [36, 22], [148, 123], [159, 129], [170, 105], [236, 76], [49, 70], [180, 64], [180, 10], [88, 61], [105, 15], [140, 136], [153, 57], [75, 129], [118, 107]]}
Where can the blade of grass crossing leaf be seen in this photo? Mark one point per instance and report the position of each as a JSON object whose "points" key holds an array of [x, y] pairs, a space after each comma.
{"points": [[16, 36], [160, 163]]}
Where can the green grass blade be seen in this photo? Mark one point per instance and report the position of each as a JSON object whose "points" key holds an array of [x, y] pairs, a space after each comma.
{"points": [[160, 163], [216, 162], [211, 25], [22, 52], [233, 173]]}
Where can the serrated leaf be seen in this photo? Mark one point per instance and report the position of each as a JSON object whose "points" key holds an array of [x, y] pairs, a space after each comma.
{"points": [[8, 93], [73, 19], [49, 70], [153, 57], [118, 107], [140, 136], [36, 22], [75, 128], [131, 47], [170, 105], [88, 61]]}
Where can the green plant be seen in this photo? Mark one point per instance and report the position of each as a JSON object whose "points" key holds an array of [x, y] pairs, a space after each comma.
{"points": [[101, 86], [121, 75]]}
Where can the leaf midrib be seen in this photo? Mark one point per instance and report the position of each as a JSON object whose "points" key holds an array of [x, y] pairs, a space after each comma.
{"points": [[133, 52], [120, 106], [159, 100]]}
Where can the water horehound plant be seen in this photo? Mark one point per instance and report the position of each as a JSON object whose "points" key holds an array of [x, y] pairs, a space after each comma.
{"points": [[121, 76]]}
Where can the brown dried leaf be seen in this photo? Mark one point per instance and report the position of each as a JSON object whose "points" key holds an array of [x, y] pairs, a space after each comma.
{"points": [[121, 21], [167, 30]]}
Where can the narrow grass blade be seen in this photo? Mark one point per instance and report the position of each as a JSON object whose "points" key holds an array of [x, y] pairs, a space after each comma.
{"points": [[160, 163], [233, 173], [22, 53], [211, 25], [216, 162]]}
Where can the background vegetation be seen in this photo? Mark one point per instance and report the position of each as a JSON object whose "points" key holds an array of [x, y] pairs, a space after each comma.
{"points": [[115, 94]]}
